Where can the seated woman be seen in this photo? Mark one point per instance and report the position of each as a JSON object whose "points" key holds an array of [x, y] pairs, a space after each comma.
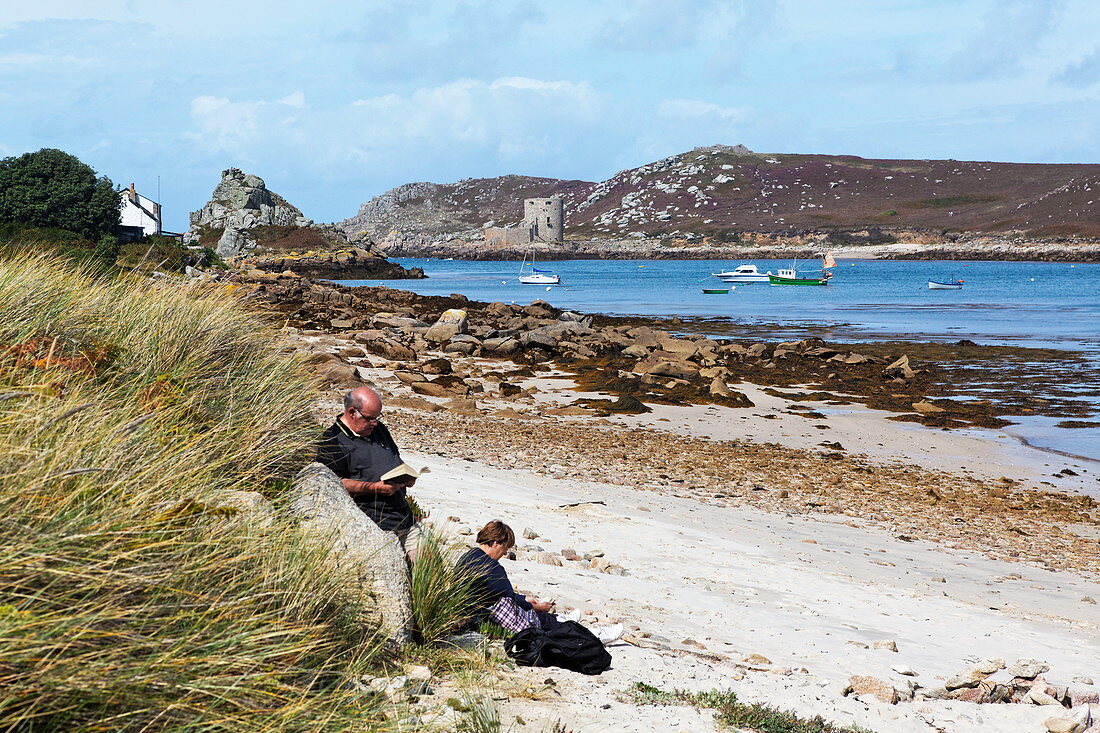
{"points": [[500, 603]]}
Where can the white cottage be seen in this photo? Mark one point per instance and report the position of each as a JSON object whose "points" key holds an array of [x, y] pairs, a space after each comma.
{"points": [[140, 215]]}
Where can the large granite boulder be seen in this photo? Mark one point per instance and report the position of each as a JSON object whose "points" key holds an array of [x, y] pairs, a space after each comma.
{"points": [[373, 559], [239, 203]]}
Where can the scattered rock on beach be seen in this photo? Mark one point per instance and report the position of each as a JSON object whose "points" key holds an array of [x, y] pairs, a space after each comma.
{"points": [[861, 685], [451, 323], [530, 534], [969, 678], [985, 691], [1078, 721], [1027, 669], [547, 558], [887, 644]]}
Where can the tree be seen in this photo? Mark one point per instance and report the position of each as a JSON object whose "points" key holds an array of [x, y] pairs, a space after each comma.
{"points": [[51, 188]]}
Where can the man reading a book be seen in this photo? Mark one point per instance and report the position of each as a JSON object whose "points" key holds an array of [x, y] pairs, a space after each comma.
{"points": [[359, 449]]}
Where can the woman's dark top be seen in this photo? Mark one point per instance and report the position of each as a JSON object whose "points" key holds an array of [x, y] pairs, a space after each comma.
{"points": [[495, 579]]}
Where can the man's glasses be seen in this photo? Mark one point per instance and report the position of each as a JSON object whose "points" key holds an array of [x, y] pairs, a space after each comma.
{"points": [[371, 420]]}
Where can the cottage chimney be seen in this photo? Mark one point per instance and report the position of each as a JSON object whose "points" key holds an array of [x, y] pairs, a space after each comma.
{"points": [[132, 193]]}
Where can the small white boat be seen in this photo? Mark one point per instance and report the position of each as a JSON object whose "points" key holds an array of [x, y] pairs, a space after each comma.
{"points": [[535, 276], [743, 274], [539, 277], [934, 285]]}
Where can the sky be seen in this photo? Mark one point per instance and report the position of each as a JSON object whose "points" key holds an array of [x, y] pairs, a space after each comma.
{"points": [[332, 103]]}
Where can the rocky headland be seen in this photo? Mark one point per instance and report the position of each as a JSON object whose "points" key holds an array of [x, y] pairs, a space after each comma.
{"points": [[250, 225], [727, 202]]}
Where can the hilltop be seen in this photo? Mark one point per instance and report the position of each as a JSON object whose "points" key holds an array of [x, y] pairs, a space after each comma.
{"points": [[729, 195]]}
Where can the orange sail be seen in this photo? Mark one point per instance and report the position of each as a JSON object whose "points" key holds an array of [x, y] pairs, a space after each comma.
{"points": [[827, 260]]}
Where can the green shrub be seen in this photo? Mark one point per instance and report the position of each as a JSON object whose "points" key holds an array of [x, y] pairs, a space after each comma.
{"points": [[50, 188], [131, 596]]}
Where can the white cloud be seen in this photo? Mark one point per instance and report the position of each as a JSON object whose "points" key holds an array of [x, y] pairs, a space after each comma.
{"points": [[294, 99], [462, 128], [691, 108]]}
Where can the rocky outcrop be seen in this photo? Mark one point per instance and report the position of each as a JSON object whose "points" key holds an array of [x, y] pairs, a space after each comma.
{"points": [[240, 203], [377, 576], [349, 263]]}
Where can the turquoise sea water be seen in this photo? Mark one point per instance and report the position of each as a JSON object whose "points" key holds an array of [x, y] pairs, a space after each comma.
{"points": [[1016, 303]]}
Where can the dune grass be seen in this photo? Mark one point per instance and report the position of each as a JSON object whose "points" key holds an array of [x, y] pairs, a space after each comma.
{"points": [[444, 595], [729, 712], [131, 596]]}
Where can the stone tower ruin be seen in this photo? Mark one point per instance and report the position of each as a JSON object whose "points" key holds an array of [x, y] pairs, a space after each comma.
{"points": [[543, 221], [546, 218]]}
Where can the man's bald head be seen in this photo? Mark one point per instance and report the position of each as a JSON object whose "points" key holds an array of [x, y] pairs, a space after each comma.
{"points": [[362, 398], [362, 410]]}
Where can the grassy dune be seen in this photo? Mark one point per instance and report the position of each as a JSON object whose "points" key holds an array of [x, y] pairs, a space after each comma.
{"points": [[131, 598]]}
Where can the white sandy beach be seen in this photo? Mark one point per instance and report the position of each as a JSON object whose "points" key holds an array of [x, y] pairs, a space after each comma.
{"points": [[709, 585], [793, 589]]}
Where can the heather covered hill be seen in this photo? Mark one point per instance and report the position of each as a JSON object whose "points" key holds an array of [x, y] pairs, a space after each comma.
{"points": [[442, 209], [720, 190]]}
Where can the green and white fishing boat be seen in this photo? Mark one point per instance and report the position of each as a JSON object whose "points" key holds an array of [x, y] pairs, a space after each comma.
{"points": [[790, 276]]}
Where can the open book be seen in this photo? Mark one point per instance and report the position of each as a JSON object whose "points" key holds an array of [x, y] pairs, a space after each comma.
{"points": [[400, 474]]}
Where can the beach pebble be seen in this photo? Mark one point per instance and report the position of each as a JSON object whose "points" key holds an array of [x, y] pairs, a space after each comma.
{"points": [[905, 670], [990, 666], [1077, 721], [418, 673], [530, 534], [1083, 680], [570, 554], [464, 530], [756, 659], [969, 678], [547, 558], [889, 644], [1041, 695], [1028, 668], [860, 644], [453, 518], [862, 685]]}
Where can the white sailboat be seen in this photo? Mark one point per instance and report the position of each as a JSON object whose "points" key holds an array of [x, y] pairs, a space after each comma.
{"points": [[534, 276]]}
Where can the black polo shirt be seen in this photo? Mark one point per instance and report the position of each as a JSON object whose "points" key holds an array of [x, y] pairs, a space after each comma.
{"points": [[366, 458]]}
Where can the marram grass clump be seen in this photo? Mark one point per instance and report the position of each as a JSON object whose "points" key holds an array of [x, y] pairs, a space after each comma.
{"points": [[133, 595]]}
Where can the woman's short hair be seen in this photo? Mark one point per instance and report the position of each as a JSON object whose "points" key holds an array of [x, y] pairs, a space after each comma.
{"points": [[496, 531]]}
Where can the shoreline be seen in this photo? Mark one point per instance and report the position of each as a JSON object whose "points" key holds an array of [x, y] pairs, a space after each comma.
{"points": [[993, 249]]}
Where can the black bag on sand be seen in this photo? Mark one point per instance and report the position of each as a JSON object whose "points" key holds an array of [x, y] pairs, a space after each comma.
{"points": [[569, 646]]}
